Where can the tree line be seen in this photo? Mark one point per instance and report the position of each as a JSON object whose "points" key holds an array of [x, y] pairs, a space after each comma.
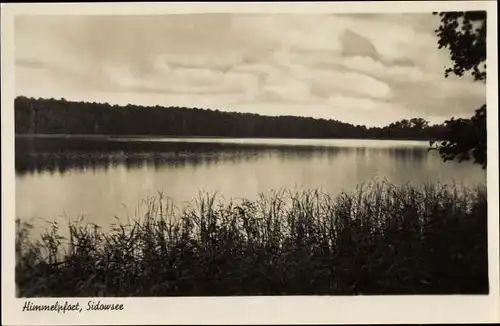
{"points": [[59, 116]]}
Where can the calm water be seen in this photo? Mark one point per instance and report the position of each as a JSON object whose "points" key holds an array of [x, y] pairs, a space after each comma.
{"points": [[65, 177]]}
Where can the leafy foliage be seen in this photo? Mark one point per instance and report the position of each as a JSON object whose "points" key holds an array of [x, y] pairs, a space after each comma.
{"points": [[467, 139], [464, 34]]}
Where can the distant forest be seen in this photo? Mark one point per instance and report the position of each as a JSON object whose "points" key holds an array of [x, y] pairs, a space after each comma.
{"points": [[52, 116]]}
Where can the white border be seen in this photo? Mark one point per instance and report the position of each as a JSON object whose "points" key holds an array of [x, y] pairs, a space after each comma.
{"points": [[252, 310]]}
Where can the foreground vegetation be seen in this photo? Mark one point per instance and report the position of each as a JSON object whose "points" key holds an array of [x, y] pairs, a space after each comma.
{"points": [[380, 239]]}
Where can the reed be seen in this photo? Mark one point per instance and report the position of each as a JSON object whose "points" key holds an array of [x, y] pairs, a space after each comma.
{"points": [[379, 239]]}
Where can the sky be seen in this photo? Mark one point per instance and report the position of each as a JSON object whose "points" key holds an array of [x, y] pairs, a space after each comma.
{"points": [[367, 69]]}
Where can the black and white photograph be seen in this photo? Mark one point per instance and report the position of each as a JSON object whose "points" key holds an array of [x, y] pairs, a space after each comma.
{"points": [[251, 154]]}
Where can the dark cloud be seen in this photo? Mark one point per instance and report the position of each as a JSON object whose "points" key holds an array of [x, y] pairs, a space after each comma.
{"points": [[354, 44], [406, 62]]}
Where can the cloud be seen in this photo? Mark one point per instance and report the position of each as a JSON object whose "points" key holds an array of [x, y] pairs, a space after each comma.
{"points": [[379, 112], [222, 61], [47, 74], [354, 44], [182, 80], [346, 82], [366, 68], [287, 89]]}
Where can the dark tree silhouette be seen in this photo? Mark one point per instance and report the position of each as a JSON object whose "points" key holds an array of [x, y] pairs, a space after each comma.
{"points": [[467, 139], [464, 35], [50, 116]]}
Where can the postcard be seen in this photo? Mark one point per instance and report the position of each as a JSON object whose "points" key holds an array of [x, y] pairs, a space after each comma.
{"points": [[249, 163]]}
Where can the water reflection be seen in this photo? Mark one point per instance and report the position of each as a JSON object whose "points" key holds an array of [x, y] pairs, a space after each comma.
{"points": [[61, 155], [103, 177], [413, 154]]}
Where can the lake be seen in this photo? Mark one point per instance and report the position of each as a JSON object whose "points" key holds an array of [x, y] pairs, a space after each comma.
{"points": [[100, 177]]}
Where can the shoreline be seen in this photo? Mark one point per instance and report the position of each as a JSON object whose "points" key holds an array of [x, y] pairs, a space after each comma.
{"points": [[153, 136]]}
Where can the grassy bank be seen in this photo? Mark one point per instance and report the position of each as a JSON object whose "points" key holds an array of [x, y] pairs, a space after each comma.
{"points": [[380, 239]]}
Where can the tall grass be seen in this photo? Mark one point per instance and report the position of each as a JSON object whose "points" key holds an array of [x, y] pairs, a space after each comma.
{"points": [[380, 239]]}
